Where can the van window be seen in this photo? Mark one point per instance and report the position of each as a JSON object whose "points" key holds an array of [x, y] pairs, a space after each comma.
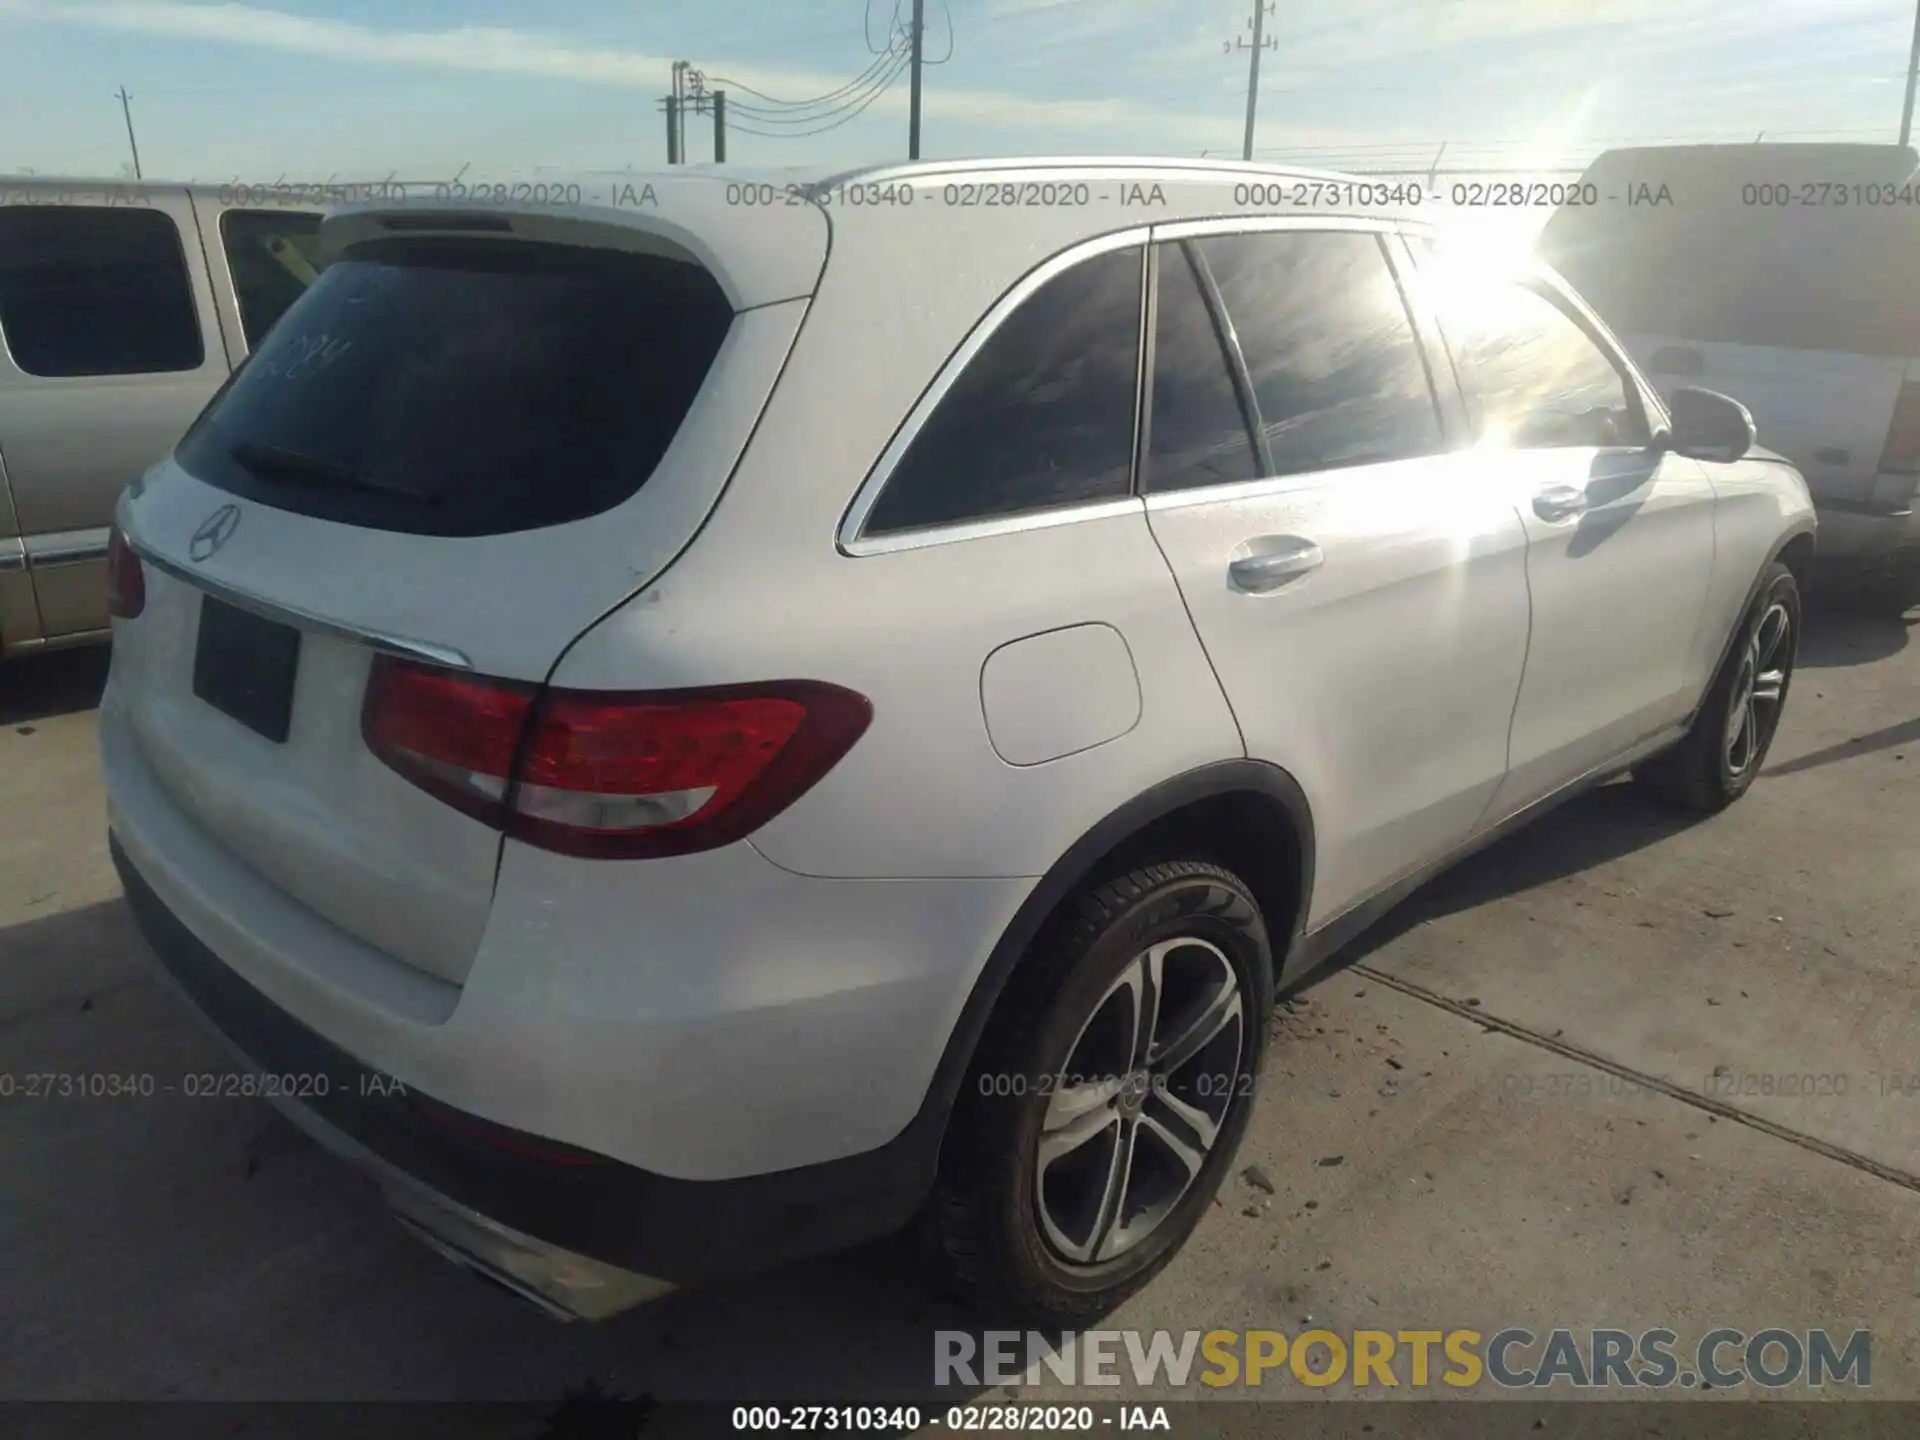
{"points": [[274, 255], [1042, 416], [470, 387], [1338, 379], [96, 290]]}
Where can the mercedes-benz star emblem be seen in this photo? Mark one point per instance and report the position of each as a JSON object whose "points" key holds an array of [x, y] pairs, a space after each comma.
{"points": [[213, 532]]}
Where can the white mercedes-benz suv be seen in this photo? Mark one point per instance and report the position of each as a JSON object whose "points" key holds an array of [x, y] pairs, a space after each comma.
{"points": [[683, 732]]}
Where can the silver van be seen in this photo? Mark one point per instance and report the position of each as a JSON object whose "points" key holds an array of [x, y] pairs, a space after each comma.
{"points": [[1786, 276], [123, 307]]}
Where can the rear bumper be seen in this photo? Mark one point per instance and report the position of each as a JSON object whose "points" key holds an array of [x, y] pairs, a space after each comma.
{"points": [[580, 1233]]}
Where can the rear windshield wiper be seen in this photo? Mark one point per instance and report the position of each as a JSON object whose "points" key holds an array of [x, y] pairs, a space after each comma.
{"points": [[301, 468]]}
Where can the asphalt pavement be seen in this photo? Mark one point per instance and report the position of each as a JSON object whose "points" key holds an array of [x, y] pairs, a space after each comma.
{"points": [[1622, 1069]]}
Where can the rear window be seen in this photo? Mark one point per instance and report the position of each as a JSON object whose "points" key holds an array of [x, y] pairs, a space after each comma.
{"points": [[467, 387]]}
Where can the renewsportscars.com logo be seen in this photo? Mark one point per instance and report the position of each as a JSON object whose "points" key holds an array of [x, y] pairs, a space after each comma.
{"points": [[1595, 1358]]}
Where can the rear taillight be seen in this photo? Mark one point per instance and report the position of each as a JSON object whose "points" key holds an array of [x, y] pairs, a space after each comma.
{"points": [[610, 775], [1901, 454], [126, 585]]}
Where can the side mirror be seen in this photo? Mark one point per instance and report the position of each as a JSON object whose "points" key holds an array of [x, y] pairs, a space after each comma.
{"points": [[1708, 425]]}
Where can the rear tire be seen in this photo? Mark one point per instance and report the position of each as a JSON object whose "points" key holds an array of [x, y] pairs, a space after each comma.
{"points": [[1720, 756], [1086, 1146]]}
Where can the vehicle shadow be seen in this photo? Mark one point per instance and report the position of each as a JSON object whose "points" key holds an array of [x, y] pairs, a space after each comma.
{"points": [[39, 687], [281, 1275], [1603, 825], [1835, 634]]}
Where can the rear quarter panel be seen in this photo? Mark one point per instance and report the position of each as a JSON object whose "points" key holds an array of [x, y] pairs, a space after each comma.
{"points": [[765, 593]]}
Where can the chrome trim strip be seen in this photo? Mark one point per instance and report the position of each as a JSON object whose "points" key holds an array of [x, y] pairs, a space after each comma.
{"points": [[1010, 525], [389, 644], [1143, 369], [1242, 224], [850, 539], [12, 557], [1257, 488], [66, 547], [1119, 167]]}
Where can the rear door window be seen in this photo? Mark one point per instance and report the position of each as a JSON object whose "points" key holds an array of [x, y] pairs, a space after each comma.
{"points": [[1042, 416], [96, 290], [1197, 434], [1337, 373], [466, 387], [274, 255]]}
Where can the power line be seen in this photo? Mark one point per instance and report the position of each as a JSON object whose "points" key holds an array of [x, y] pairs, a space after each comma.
{"points": [[894, 29], [948, 14], [873, 94], [857, 99], [794, 105]]}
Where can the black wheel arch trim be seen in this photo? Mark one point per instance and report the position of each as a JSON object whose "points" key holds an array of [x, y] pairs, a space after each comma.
{"points": [[1746, 607], [923, 1134]]}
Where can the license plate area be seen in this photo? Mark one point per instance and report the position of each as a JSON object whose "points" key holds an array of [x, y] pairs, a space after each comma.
{"points": [[244, 666]]}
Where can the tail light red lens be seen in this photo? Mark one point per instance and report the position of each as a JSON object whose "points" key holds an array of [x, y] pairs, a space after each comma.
{"points": [[610, 775], [126, 582]]}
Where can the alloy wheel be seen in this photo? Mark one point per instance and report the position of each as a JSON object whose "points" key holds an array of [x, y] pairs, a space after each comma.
{"points": [[1136, 1108], [1759, 687]]}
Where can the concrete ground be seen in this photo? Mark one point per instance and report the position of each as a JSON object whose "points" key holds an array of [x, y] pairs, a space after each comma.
{"points": [[1553, 1083]]}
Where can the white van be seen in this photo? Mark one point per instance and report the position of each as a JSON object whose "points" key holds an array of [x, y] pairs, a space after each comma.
{"points": [[1786, 276], [123, 307]]}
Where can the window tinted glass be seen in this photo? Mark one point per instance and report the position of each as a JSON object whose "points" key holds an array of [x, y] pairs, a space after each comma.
{"points": [[1041, 417], [88, 290], [274, 257], [1336, 371], [466, 388], [1534, 378], [1198, 435]]}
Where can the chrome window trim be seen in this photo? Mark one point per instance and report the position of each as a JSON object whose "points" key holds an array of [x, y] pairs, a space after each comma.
{"points": [[1006, 525], [1262, 486], [66, 547], [1245, 224], [401, 646], [850, 539]]}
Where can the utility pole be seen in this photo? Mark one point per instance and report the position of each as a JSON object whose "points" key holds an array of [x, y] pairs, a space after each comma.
{"points": [[719, 127], [1261, 9], [913, 84], [676, 116], [1913, 72], [126, 109]]}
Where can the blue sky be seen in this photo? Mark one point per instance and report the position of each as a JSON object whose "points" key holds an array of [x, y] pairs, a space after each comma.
{"points": [[311, 88]]}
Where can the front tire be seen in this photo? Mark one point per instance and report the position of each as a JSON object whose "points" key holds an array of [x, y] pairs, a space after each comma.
{"points": [[1109, 1096], [1717, 761]]}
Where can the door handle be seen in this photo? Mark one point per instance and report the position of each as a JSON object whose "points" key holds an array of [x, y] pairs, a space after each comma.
{"points": [[1560, 502], [1261, 574]]}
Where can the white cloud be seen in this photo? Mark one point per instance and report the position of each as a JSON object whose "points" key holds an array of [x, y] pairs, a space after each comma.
{"points": [[508, 51]]}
